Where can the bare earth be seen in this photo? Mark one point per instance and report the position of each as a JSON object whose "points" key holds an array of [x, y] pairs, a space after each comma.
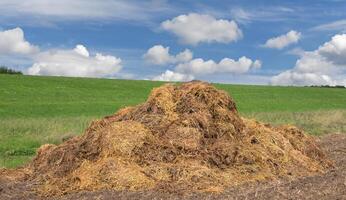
{"points": [[331, 185]]}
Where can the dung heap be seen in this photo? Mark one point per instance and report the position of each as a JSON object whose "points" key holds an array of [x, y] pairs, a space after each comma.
{"points": [[184, 137]]}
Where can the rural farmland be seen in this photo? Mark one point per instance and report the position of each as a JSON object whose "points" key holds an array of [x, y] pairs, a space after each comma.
{"points": [[162, 99], [39, 110], [32, 125]]}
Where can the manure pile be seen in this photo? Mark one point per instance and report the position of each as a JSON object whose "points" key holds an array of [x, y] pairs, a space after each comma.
{"points": [[186, 137]]}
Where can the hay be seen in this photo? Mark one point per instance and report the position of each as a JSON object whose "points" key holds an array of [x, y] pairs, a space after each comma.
{"points": [[184, 137]]}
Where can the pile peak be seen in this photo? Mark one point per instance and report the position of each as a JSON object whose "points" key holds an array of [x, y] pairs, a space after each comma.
{"points": [[185, 136]]}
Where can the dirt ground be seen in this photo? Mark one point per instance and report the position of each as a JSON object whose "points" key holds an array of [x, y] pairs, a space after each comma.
{"points": [[331, 185]]}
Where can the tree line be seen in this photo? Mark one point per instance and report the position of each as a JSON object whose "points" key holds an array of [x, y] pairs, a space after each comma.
{"points": [[7, 70]]}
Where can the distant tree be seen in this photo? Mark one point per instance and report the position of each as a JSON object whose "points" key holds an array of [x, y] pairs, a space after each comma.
{"points": [[6, 70], [328, 86]]}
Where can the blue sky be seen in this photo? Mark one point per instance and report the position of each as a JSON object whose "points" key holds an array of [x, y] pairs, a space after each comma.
{"points": [[307, 44]]}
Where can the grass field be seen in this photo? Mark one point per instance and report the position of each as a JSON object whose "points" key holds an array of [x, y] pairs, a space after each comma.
{"points": [[38, 110]]}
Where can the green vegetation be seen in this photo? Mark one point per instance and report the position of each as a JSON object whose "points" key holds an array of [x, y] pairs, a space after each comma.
{"points": [[38, 110], [313, 122], [6, 70]]}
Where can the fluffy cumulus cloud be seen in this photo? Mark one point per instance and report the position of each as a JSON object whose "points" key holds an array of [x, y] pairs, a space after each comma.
{"points": [[335, 50], [186, 67], [282, 41], [292, 77], [196, 28], [13, 42], [159, 55], [226, 65], [173, 76], [324, 66], [76, 62]]}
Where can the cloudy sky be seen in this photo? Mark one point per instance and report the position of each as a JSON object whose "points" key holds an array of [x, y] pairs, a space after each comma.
{"points": [[231, 41]]}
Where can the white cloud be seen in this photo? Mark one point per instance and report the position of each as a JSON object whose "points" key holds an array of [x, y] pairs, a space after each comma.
{"points": [[335, 50], [173, 76], [292, 77], [186, 68], [339, 25], [184, 56], [226, 65], [267, 13], [324, 66], [159, 55], [295, 51], [257, 64], [283, 40], [13, 42], [312, 62], [33, 11], [241, 15], [196, 28], [82, 50], [76, 62]]}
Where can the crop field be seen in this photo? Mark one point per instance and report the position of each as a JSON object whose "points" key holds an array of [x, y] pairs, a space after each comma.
{"points": [[38, 110]]}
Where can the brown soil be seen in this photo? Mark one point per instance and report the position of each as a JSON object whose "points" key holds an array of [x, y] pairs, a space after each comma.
{"points": [[186, 139]]}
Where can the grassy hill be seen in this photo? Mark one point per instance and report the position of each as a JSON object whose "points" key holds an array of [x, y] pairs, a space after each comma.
{"points": [[37, 110], [30, 96]]}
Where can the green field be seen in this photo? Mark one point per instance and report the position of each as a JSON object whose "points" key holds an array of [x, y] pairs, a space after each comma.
{"points": [[38, 110]]}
